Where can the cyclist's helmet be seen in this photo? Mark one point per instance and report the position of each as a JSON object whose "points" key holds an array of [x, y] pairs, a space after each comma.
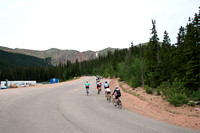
{"points": [[116, 87], [86, 81], [105, 81]]}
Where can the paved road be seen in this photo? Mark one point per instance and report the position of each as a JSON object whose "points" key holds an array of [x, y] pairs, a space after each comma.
{"points": [[67, 108]]}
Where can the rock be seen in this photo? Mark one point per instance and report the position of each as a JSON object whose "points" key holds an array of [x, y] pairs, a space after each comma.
{"points": [[197, 102]]}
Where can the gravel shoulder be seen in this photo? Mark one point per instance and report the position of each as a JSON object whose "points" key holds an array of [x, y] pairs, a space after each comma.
{"points": [[155, 107]]}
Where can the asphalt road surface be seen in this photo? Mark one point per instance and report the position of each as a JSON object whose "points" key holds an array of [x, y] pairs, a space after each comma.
{"points": [[67, 109]]}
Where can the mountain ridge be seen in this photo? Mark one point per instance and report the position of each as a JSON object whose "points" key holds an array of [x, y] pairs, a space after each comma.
{"points": [[60, 56], [10, 60]]}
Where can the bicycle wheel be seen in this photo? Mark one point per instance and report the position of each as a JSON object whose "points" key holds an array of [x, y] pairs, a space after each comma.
{"points": [[113, 101], [98, 91], [119, 103]]}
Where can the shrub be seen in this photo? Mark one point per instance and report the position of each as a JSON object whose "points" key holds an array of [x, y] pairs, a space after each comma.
{"points": [[120, 79], [148, 90], [105, 75], [134, 82], [111, 76], [178, 99], [174, 93], [191, 104], [165, 88], [196, 95], [158, 91]]}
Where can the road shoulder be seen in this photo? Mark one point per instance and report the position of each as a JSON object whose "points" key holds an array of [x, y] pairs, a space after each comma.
{"points": [[155, 107]]}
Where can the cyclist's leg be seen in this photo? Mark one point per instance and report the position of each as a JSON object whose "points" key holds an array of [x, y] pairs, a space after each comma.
{"points": [[108, 94], [116, 98]]}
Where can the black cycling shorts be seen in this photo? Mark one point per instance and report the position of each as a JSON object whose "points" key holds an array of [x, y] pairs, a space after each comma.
{"points": [[108, 92], [116, 97]]}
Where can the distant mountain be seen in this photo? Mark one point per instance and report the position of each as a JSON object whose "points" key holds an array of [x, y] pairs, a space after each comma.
{"points": [[8, 59], [60, 56], [105, 51]]}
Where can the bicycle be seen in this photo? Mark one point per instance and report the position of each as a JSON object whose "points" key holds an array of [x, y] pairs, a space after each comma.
{"points": [[109, 98], [87, 91], [119, 102], [99, 90]]}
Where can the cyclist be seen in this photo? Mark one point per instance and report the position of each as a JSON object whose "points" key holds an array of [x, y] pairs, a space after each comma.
{"points": [[107, 92], [98, 84], [117, 94], [97, 78], [106, 85], [87, 86]]}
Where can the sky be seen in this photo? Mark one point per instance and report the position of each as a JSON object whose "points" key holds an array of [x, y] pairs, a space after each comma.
{"points": [[89, 24]]}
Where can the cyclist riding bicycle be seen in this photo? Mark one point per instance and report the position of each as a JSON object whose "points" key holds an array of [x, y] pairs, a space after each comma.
{"points": [[117, 94], [98, 84], [106, 85], [87, 86]]}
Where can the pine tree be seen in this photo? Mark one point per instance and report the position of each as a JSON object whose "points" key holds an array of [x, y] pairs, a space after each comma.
{"points": [[177, 55], [192, 54], [166, 58], [152, 56], [181, 36]]}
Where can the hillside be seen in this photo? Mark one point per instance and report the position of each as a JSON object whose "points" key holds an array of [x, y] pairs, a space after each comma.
{"points": [[60, 56], [9, 59]]}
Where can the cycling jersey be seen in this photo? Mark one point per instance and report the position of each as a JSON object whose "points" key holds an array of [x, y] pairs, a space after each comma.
{"points": [[106, 85], [117, 91], [98, 84], [87, 85]]}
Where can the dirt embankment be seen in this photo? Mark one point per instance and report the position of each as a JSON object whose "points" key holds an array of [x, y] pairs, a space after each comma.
{"points": [[155, 107]]}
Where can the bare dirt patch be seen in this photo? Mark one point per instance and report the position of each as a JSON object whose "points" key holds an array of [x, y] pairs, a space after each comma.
{"points": [[155, 107]]}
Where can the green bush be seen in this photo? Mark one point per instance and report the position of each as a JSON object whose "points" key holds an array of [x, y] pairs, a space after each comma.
{"points": [[158, 91], [134, 82], [148, 90], [120, 79], [111, 76], [196, 95], [191, 104], [178, 99], [165, 88], [174, 93], [105, 75]]}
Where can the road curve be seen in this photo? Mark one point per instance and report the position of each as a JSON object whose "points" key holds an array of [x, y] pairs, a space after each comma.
{"points": [[67, 108]]}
